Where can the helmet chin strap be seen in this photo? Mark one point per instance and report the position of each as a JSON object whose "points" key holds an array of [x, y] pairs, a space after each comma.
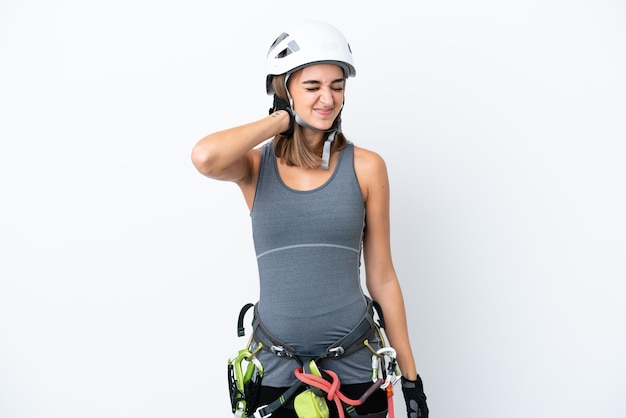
{"points": [[301, 122]]}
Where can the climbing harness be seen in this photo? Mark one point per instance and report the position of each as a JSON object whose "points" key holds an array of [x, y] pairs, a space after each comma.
{"points": [[246, 372]]}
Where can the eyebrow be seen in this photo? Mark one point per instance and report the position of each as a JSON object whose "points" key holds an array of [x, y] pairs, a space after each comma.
{"points": [[339, 80]]}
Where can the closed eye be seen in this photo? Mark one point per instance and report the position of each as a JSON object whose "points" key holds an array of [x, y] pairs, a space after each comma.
{"points": [[317, 88], [314, 85]]}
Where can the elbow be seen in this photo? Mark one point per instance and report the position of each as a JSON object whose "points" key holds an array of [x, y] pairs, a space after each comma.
{"points": [[204, 159]]}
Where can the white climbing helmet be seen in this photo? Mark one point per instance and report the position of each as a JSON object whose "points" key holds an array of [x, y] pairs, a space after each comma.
{"points": [[304, 43]]}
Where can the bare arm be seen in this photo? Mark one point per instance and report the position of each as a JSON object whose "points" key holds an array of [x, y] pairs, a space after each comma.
{"points": [[227, 155], [381, 279]]}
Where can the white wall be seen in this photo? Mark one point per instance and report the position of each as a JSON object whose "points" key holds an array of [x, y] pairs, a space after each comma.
{"points": [[122, 269]]}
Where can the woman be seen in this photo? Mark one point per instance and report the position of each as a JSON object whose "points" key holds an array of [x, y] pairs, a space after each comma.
{"points": [[318, 203]]}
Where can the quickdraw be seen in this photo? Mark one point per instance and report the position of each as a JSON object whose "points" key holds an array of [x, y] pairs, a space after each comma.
{"points": [[245, 373], [385, 367]]}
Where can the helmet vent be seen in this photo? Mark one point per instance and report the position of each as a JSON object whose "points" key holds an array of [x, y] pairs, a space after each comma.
{"points": [[292, 46], [278, 40], [290, 49]]}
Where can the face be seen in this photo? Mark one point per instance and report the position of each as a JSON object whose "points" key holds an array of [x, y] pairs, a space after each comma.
{"points": [[318, 93]]}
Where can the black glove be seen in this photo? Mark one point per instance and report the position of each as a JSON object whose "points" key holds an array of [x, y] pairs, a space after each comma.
{"points": [[280, 104], [413, 391]]}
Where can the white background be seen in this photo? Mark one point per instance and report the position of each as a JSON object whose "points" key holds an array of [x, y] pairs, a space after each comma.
{"points": [[122, 269]]}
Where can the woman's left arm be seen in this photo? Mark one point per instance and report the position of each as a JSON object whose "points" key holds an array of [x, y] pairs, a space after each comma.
{"points": [[380, 276]]}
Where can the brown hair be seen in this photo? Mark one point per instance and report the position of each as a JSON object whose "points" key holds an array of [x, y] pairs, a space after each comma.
{"points": [[294, 150]]}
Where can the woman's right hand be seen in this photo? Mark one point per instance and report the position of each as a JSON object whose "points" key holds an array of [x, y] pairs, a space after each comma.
{"points": [[281, 105]]}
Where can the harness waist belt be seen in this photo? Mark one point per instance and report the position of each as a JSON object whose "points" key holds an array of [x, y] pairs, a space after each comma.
{"points": [[348, 344]]}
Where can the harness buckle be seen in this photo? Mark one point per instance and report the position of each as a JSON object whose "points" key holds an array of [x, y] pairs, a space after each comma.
{"points": [[279, 351], [337, 351], [260, 414]]}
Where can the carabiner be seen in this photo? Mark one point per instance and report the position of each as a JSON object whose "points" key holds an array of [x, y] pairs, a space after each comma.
{"points": [[384, 362]]}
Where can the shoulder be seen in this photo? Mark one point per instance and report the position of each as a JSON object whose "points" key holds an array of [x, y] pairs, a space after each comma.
{"points": [[367, 161], [370, 169]]}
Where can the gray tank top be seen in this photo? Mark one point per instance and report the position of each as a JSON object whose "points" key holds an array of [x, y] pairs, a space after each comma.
{"points": [[308, 247]]}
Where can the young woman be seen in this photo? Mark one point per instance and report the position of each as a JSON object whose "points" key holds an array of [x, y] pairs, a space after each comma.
{"points": [[318, 204]]}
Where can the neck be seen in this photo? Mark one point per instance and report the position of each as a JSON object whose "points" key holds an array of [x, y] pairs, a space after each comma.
{"points": [[313, 139]]}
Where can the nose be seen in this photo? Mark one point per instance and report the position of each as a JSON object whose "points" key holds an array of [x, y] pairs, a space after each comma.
{"points": [[326, 96]]}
